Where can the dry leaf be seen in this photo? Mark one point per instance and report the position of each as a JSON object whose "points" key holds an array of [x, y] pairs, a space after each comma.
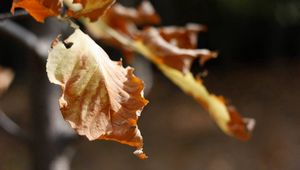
{"points": [[41, 9], [172, 49], [182, 37], [91, 9], [38, 9], [6, 77], [101, 99], [171, 53], [226, 117], [126, 21]]}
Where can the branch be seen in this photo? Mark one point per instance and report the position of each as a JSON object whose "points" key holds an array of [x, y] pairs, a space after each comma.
{"points": [[17, 14], [25, 37], [12, 129]]}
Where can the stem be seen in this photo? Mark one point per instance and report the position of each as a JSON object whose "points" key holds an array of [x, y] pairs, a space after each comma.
{"points": [[24, 37], [50, 140]]}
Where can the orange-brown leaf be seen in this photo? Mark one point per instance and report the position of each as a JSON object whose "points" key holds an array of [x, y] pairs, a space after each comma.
{"points": [[91, 9], [38, 9], [183, 37], [172, 54], [126, 21], [155, 45], [225, 116], [101, 99], [119, 16], [240, 127]]}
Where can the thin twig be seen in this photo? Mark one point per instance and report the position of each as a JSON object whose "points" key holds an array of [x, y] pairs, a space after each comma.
{"points": [[11, 128], [17, 14]]}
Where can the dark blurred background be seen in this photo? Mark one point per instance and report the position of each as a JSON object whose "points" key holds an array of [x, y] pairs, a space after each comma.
{"points": [[257, 69]]}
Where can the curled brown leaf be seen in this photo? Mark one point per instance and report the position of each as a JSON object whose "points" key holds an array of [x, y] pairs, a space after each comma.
{"points": [[171, 54], [101, 99], [183, 37], [125, 20], [173, 49]]}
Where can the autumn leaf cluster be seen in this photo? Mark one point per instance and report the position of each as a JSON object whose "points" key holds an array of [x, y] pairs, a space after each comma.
{"points": [[103, 100]]}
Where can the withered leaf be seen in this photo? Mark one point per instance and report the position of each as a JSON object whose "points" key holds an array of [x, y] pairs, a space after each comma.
{"points": [[125, 20], [6, 77], [183, 37], [226, 117], [38, 9], [171, 53], [91, 9], [122, 18], [172, 49], [101, 99]]}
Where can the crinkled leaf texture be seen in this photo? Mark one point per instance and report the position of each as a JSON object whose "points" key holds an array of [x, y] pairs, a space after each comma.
{"points": [[101, 99], [171, 53]]}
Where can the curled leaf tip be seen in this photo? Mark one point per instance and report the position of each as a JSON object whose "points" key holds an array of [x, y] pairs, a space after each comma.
{"points": [[240, 128], [206, 56], [140, 154]]}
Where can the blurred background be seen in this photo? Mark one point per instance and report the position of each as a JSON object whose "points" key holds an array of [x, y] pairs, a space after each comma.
{"points": [[257, 69]]}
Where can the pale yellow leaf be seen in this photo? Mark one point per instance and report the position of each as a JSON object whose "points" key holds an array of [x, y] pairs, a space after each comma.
{"points": [[101, 99]]}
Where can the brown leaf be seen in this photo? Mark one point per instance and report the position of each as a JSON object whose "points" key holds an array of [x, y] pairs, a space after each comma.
{"points": [[240, 127], [126, 21], [182, 37], [91, 9], [119, 17], [101, 99], [172, 54], [6, 77], [38, 9], [155, 48], [225, 116]]}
